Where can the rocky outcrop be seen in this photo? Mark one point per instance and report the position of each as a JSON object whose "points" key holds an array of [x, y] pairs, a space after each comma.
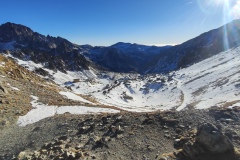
{"points": [[208, 140], [55, 52], [212, 139]]}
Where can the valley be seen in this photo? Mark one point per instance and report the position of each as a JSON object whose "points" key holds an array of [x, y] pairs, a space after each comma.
{"points": [[60, 100]]}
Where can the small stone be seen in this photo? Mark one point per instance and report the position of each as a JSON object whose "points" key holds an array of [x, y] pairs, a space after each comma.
{"points": [[168, 136], [165, 127], [22, 155], [64, 138]]}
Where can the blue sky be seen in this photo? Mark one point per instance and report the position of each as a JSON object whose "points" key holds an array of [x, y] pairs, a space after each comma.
{"points": [[105, 22]]}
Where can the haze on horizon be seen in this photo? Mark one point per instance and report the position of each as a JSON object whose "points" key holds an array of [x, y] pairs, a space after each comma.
{"points": [[105, 22]]}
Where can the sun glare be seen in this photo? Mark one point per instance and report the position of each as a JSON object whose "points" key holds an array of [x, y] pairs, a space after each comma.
{"points": [[235, 11], [230, 8], [211, 6]]}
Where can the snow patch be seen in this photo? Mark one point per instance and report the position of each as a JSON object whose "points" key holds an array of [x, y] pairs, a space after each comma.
{"points": [[14, 88], [211, 82], [2, 64], [41, 111]]}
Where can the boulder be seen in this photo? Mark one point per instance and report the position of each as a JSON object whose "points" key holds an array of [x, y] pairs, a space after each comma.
{"points": [[212, 139], [209, 140]]}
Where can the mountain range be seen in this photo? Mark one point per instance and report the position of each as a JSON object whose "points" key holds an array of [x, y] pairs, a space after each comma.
{"points": [[60, 100], [59, 54]]}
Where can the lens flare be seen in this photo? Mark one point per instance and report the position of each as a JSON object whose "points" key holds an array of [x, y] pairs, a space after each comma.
{"points": [[230, 10], [212, 6], [235, 11]]}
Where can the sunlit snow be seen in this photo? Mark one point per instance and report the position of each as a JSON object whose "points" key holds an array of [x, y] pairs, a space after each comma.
{"points": [[41, 111], [212, 82]]}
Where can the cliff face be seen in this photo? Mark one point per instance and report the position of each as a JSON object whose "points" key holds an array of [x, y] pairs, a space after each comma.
{"points": [[56, 53]]}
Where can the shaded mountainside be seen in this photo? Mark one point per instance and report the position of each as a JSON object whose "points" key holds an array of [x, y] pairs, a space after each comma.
{"points": [[197, 49], [59, 54], [56, 53], [122, 57]]}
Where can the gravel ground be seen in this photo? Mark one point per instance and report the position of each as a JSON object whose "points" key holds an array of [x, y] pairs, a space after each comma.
{"points": [[115, 136]]}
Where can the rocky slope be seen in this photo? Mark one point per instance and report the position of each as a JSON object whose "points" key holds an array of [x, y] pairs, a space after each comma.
{"points": [[18, 85], [55, 52], [158, 135]]}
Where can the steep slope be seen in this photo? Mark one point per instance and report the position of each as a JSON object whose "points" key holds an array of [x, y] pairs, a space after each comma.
{"points": [[212, 82], [60, 54], [55, 53], [112, 59], [26, 97], [123, 57], [197, 49]]}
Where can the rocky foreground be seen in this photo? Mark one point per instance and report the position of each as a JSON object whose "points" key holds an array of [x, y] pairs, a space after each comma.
{"points": [[186, 135]]}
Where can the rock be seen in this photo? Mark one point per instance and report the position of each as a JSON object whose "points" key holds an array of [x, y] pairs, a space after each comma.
{"points": [[168, 136], [22, 155], [64, 138], [209, 140], [94, 157], [148, 121], [3, 90], [41, 71], [79, 154], [163, 158], [170, 122], [178, 130], [181, 126], [178, 143], [192, 149], [212, 139], [165, 127]]}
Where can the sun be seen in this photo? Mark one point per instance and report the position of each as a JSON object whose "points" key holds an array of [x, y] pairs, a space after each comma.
{"points": [[212, 6]]}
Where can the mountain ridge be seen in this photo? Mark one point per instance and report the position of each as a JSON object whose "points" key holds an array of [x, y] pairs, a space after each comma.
{"points": [[198, 48], [60, 54]]}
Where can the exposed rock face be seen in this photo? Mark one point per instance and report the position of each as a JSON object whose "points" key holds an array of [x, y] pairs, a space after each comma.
{"points": [[57, 53], [208, 140], [213, 139], [60, 54]]}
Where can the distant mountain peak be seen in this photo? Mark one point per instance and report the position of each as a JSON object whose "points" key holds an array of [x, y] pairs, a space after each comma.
{"points": [[12, 30]]}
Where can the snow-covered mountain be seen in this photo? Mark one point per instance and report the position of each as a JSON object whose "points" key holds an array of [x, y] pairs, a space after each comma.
{"points": [[197, 49], [59, 54], [210, 74], [62, 100], [55, 52], [123, 57], [212, 82]]}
